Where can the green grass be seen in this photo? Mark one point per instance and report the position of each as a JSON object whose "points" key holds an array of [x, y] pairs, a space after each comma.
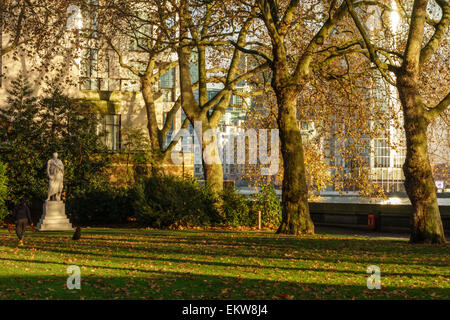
{"points": [[192, 264]]}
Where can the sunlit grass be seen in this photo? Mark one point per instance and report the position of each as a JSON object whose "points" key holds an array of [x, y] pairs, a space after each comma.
{"points": [[192, 264]]}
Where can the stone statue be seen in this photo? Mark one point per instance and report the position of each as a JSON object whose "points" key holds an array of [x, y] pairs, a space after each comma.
{"points": [[55, 171], [54, 210]]}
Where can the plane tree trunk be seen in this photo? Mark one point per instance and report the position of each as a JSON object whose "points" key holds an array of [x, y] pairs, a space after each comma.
{"points": [[212, 165], [419, 183], [295, 217]]}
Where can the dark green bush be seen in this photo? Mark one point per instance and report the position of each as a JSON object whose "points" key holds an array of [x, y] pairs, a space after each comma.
{"points": [[101, 206], [236, 209], [267, 201], [171, 202], [3, 192]]}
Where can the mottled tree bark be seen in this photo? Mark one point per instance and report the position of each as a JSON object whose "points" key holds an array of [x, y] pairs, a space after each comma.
{"points": [[212, 164], [295, 217], [214, 177], [197, 111], [426, 223], [419, 183]]}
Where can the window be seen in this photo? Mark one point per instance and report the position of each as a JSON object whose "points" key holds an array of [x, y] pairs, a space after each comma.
{"points": [[304, 126], [167, 80], [306, 129], [382, 153], [194, 72], [91, 19], [399, 158], [167, 84], [110, 128], [237, 100], [89, 69]]}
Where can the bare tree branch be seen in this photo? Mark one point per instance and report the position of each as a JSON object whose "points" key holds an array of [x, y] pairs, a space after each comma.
{"points": [[439, 33], [433, 113]]}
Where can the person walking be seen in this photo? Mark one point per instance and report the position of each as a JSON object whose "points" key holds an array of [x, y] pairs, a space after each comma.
{"points": [[22, 217]]}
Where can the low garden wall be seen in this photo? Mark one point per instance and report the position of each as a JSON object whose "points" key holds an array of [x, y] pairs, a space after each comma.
{"points": [[388, 218]]}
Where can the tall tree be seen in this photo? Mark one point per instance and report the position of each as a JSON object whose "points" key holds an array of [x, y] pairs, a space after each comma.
{"points": [[206, 27], [403, 69], [295, 31]]}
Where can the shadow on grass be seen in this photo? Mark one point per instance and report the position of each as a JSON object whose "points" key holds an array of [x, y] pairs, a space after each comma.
{"points": [[217, 264], [177, 285], [281, 242], [198, 281], [334, 250]]}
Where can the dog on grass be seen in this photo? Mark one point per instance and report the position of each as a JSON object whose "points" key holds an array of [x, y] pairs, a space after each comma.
{"points": [[77, 234]]}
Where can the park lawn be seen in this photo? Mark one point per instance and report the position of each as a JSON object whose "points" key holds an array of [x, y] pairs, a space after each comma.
{"points": [[196, 264]]}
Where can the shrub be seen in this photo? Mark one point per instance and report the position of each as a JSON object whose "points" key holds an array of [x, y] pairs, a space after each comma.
{"points": [[101, 206], [3, 192], [235, 209], [172, 202], [266, 201]]}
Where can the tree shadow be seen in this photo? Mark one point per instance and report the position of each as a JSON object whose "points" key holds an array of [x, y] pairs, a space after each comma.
{"points": [[334, 250], [178, 286]]}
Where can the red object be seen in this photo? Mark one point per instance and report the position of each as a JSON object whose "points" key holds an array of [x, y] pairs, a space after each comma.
{"points": [[10, 228], [371, 222]]}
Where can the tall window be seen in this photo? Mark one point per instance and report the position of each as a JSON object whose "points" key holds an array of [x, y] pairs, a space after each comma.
{"points": [[89, 69], [382, 153], [110, 128], [167, 85], [167, 80], [91, 19], [194, 71]]}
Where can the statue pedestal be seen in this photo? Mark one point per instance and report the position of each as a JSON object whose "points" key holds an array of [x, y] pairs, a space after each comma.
{"points": [[54, 217]]}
